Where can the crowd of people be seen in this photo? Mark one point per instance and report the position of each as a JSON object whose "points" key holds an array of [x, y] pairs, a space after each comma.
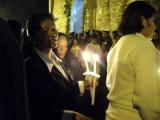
{"points": [[42, 70]]}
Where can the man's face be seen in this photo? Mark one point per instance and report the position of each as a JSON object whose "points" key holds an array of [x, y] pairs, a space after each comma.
{"points": [[47, 36]]}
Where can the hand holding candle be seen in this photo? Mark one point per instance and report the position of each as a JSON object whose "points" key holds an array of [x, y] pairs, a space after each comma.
{"points": [[91, 75]]}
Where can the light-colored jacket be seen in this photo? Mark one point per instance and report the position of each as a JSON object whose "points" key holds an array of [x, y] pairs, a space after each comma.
{"points": [[133, 79]]}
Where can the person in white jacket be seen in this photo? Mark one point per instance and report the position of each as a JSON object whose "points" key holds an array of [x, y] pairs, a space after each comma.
{"points": [[133, 71]]}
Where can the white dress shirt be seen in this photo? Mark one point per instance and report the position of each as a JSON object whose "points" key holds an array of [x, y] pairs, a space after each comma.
{"points": [[50, 62]]}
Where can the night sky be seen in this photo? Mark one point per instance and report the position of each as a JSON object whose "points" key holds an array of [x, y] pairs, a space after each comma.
{"points": [[21, 10]]}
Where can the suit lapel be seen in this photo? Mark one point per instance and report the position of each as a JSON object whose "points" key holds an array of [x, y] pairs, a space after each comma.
{"points": [[66, 71], [56, 72]]}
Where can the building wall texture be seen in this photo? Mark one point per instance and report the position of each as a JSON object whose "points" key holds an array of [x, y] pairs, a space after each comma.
{"points": [[98, 14]]}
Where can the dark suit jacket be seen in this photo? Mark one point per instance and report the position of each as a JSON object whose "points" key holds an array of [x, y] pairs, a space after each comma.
{"points": [[49, 93], [13, 96]]}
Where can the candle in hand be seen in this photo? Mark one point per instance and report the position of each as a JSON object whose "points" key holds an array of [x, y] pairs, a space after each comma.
{"points": [[85, 56], [95, 59]]}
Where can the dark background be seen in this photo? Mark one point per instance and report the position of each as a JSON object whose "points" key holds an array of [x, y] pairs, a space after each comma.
{"points": [[21, 10]]}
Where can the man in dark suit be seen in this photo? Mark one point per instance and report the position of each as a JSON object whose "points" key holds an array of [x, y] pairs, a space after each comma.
{"points": [[51, 89], [13, 92]]}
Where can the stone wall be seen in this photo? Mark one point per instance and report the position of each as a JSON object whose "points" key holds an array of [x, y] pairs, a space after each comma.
{"points": [[60, 12], [111, 14], [99, 14]]}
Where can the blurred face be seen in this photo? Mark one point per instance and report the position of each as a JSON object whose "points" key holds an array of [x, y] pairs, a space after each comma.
{"points": [[149, 27], [94, 41], [47, 36], [62, 47], [75, 41]]}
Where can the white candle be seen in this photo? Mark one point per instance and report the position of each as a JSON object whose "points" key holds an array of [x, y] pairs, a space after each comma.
{"points": [[93, 89], [94, 60], [85, 56], [92, 75], [81, 87], [87, 68]]}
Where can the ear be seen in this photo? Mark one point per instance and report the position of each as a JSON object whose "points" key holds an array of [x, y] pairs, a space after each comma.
{"points": [[143, 21]]}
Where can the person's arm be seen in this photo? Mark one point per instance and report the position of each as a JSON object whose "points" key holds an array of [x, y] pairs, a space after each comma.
{"points": [[146, 97]]}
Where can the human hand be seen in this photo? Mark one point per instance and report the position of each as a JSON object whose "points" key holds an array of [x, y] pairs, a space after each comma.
{"points": [[79, 116], [89, 83]]}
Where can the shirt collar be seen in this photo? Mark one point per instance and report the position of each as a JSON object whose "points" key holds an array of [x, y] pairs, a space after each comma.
{"points": [[56, 57], [54, 61], [49, 62], [43, 56]]}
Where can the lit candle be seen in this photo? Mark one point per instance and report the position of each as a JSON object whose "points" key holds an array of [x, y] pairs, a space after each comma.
{"points": [[94, 60], [91, 75], [85, 56]]}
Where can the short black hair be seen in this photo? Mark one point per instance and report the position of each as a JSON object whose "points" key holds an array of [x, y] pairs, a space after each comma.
{"points": [[131, 18], [62, 34], [34, 23], [16, 28]]}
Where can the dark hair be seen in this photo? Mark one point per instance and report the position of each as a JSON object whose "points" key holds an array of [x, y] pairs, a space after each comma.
{"points": [[16, 28], [115, 35], [60, 34], [34, 23], [131, 18]]}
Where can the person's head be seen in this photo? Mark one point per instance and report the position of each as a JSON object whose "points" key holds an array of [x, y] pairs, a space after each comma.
{"points": [[75, 41], [93, 39], [138, 17], [62, 46], [115, 35], [42, 31]]}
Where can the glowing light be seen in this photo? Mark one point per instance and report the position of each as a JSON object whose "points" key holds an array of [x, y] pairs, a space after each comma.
{"points": [[90, 57], [159, 70], [85, 57]]}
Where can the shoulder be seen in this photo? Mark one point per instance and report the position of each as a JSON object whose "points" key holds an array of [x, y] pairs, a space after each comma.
{"points": [[34, 61]]}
